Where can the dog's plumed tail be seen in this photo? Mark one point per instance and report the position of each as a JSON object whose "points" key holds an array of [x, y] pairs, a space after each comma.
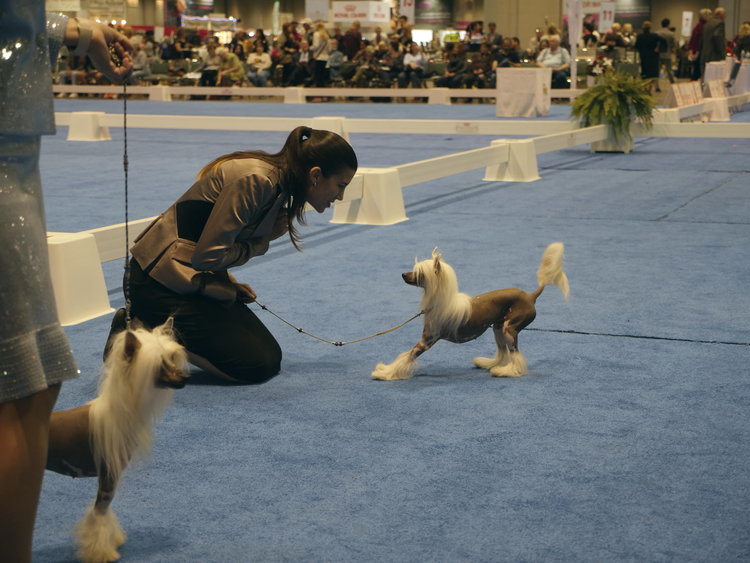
{"points": [[551, 270]]}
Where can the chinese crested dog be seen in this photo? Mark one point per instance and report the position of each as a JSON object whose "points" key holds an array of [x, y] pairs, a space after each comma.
{"points": [[457, 317], [99, 439]]}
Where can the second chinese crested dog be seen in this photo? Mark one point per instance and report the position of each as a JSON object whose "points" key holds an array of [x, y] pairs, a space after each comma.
{"points": [[457, 317], [99, 439]]}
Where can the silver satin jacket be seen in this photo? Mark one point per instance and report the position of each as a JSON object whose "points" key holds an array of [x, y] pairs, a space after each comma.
{"points": [[221, 222]]}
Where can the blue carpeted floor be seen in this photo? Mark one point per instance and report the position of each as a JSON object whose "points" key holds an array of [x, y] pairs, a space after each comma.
{"points": [[627, 441]]}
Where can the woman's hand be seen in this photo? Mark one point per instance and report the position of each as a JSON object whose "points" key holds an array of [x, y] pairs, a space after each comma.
{"points": [[245, 293]]}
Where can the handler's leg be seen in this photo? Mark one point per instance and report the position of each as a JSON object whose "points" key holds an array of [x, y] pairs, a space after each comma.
{"points": [[24, 430]]}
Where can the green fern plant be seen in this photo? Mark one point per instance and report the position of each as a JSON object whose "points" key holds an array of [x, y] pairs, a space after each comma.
{"points": [[617, 100]]}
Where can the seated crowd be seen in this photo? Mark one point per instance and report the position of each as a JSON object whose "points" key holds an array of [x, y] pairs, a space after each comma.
{"points": [[307, 54]]}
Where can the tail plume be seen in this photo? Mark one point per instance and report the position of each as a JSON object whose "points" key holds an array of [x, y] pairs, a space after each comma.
{"points": [[551, 270]]}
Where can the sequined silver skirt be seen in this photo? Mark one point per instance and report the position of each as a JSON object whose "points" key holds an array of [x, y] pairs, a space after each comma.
{"points": [[34, 351]]}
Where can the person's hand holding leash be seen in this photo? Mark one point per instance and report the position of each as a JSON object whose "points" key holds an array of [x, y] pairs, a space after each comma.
{"points": [[109, 50], [245, 293]]}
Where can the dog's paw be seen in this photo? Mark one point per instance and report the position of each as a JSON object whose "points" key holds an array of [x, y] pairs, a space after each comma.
{"points": [[485, 363], [386, 372]]}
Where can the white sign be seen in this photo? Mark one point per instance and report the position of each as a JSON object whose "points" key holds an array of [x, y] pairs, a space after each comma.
{"points": [[606, 16], [406, 8], [63, 5], [365, 12], [687, 24], [316, 10]]}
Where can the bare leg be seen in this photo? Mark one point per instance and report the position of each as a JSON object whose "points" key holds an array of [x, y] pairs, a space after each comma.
{"points": [[24, 429]]}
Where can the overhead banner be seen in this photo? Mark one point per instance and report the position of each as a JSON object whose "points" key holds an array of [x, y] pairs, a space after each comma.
{"points": [[63, 5], [364, 12], [406, 8], [606, 16], [316, 10], [687, 24]]}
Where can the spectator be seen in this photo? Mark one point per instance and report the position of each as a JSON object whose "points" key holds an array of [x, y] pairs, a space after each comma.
{"points": [[713, 40], [335, 60], [610, 50], [506, 56], [413, 70], [210, 64], [666, 49], [391, 64], [648, 46], [589, 36], [141, 65], [377, 36], [302, 66], [494, 39], [480, 74], [367, 67], [321, 50], [260, 36], [76, 71], [558, 59], [230, 68], [628, 35], [694, 45], [741, 46], [456, 69], [259, 66], [352, 40], [474, 36]]}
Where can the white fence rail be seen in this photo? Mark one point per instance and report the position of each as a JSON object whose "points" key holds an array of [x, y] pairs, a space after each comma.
{"points": [[375, 195]]}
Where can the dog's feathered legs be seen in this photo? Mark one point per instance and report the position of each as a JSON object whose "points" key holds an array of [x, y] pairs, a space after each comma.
{"points": [[508, 360], [404, 364], [98, 533]]}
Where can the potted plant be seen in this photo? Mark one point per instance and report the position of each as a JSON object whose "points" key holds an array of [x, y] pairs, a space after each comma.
{"points": [[616, 101]]}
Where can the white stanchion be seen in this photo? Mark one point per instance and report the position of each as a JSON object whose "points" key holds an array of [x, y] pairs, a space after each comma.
{"points": [[336, 124], [160, 94], [382, 201], [86, 126], [77, 277], [294, 95], [521, 165]]}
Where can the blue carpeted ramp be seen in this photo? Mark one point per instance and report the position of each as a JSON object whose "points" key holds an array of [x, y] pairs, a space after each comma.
{"points": [[628, 440]]}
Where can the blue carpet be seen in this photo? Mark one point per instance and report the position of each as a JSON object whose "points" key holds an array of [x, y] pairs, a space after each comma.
{"points": [[627, 441]]}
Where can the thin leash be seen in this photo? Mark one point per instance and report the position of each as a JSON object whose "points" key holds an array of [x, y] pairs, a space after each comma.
{"points": [[126, 283], [338, 342], [125, 166]]}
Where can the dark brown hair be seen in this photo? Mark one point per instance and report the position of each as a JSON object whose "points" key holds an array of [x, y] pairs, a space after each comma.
{"points": [[304, 148]]}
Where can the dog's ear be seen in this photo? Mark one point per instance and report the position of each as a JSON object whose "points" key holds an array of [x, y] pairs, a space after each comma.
{"points": [[436, 256], [168, 326], [132, 344]]}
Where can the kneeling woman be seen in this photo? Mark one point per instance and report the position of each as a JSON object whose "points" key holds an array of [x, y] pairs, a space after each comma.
{"points": [[239, 203]]}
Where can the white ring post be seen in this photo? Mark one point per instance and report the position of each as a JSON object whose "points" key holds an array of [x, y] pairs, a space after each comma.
{"points": [[294, 95], [84, 126], [335, 124], [77, 277], [160, 93], [381, 201], [521, 165]]}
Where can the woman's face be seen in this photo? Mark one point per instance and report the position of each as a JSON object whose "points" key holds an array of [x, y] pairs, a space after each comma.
{"points": [[322, 191]]}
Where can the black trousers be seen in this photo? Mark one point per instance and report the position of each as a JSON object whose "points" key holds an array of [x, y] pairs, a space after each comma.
{"points": [[229, 336]]}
